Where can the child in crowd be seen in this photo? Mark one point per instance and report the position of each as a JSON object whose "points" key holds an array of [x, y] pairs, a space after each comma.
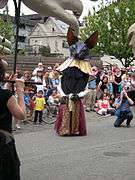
{"points": [[27, 99], [32, 104], [39, 106], [103, 106]]}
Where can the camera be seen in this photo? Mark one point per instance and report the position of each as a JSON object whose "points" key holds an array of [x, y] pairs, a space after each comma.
{"points": [[127, 88]]}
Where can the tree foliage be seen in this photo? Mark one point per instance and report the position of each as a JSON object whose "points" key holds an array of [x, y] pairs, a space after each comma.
{"points": [[6, 29], [112, 22], [45, 51]]}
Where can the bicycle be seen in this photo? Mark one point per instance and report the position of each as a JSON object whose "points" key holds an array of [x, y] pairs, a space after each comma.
{"points": [[50, 113]]}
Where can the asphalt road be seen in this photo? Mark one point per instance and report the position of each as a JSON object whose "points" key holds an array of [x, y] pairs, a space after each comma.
{"points": [[106, 153]]}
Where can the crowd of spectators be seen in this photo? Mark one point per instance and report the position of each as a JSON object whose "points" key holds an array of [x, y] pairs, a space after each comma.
{"points": [[112, 92], [106, 89]]}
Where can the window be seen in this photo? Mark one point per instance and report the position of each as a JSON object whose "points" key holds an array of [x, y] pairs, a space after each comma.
{"points": [[21, 39], [53, 29]]}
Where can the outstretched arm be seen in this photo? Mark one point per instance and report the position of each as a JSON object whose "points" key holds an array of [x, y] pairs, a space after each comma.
{"points": [[57, 9]]}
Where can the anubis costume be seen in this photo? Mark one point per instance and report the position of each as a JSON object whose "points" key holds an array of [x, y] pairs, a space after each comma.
{"points": [[75, 74]]}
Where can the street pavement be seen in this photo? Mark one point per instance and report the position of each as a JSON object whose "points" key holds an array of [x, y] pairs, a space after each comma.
{"points": [[106, 153]]}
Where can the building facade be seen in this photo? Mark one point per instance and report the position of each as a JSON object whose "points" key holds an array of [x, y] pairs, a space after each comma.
{"points": [[52, 34], [27, 23]]}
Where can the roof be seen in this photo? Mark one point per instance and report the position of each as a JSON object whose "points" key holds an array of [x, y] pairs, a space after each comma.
{"points": [[29, 20], [32, 17], [61, 25], [63, 28]]}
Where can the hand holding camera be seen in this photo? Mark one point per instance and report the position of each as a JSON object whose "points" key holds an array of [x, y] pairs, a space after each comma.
{"points": [[124, 94]]}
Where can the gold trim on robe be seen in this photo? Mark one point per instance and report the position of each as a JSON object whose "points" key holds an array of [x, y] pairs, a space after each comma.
{"points": [[83, 65], [70, 119]]}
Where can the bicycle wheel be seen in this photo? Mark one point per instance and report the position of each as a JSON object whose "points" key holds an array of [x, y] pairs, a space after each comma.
{"points": [[48, 117]]}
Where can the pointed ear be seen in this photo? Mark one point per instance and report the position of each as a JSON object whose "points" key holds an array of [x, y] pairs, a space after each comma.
{"points": [[71, 38], [92, 40]]}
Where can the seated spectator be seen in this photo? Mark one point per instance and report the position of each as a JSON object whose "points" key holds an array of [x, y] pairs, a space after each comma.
{"points": [[123, 112], [54, 98], [103, 106], [53, 101]]}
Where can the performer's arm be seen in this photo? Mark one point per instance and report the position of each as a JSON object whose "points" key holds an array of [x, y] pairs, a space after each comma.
{"points": [[83, 93], [60, 89]]}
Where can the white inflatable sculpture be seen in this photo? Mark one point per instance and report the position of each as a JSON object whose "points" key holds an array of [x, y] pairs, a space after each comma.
{"points": [[131, 37], [5, 46], [57, 9]]}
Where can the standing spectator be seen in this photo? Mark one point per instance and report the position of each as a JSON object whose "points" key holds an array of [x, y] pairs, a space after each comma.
{"points": [[131, 91], [90, 97], [126, 82], [47, 84], [102, 87], [96, 72], [26, 76], [32, 104], [123, 112], [18, 72], [39, 78], [39, 106], [27, 100], [117, 78], [39, 68], [55, 78]]}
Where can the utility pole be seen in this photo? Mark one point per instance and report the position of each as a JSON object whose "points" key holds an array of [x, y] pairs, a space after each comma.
{"points": [[17, 23]]}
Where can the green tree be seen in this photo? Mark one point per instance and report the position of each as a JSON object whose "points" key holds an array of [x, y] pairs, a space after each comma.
{"points": [[44, 51], [6, 29], [112, 22]]}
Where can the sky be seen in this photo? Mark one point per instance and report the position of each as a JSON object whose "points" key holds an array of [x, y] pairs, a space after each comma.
{"points": [[86, 3]]}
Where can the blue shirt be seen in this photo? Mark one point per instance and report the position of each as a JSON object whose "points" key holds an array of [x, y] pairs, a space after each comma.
{"points": [[92, 84], [26, 100], [124, 106]]}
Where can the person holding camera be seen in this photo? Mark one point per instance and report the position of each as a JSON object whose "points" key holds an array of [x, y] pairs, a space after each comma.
{"points": [[9, 107], [123, 112]]}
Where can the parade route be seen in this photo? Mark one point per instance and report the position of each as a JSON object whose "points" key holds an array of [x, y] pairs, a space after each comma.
{"points": [[106, 153]]}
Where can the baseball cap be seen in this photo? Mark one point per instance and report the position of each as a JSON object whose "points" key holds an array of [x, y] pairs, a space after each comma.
{"points": [[49, 68], [40, 64]]}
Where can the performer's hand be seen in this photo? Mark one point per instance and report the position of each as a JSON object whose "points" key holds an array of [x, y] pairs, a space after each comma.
{"points": [[63, 100], [74, 97]]}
